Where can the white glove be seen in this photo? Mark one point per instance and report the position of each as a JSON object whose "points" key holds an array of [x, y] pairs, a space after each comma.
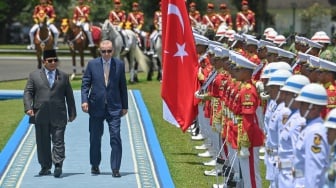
{"points": [[118, 28], [198, 95], [260, 86], [250, 28], [244, 152], [48, 23], [264, 96], [78, 23], [137, 30]]}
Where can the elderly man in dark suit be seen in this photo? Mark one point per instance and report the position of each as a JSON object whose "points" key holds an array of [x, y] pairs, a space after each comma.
{"points": [[104, 97], [48, 97]]}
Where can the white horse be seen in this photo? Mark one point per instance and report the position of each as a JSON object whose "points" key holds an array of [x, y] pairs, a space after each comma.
{"points": [[156, 63], [109, 32]]}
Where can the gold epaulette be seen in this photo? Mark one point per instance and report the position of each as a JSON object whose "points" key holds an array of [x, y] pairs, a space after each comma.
{"points": [[247, 86]]}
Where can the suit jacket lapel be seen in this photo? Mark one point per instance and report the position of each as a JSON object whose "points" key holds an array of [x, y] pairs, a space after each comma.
{"points": [[100, 69], [44, 76], [56, 79]]}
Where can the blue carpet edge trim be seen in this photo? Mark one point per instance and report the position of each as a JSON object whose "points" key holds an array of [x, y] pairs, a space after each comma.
{"points": [[12, 144], [160, 162], [11, 94]]}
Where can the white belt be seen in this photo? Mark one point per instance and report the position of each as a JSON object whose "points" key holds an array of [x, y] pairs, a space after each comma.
{"points": [[285, 164], [297, 173], [271, 151]]}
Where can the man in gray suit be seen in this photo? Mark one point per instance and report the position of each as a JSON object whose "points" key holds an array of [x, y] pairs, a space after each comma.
{"points": [[104, 97], [48, 97]]}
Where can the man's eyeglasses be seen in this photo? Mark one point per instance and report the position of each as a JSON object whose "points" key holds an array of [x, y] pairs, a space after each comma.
{"points": [[55, 60], [105, 51]]}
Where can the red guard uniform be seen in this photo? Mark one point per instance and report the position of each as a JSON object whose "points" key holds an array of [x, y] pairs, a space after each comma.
{"points": [[223, 95], [216, 90], [224, 16], [157, 20], [245, 19], [207, 104], [194, 15], [210, 19], [81, 13], [40, 10], [81, 17], [331, 92], [117, 17], [232, 130], [136, 17], [249, 133], [255, 59]]}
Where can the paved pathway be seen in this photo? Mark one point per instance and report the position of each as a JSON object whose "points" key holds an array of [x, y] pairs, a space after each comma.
{"points": [[143, 164]]}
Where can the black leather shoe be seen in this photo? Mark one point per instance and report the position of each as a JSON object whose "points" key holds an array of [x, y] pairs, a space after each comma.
{"points": [[95, 170], [44, 171], [57, 172], [116, 174]]}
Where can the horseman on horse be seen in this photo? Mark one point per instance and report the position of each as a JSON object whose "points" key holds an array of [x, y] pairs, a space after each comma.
{"points": [[41, 12], [210, 19], [194, 15], [245, 19], [136, 19], [117, 17], [81, 15]]}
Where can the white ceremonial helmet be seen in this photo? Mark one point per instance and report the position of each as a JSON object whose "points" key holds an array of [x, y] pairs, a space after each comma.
{"points": [[321, 37], [267, 30], [274, 66], [279, 39], [314, 94], [295, 83], [279, 77], [330, 121]]}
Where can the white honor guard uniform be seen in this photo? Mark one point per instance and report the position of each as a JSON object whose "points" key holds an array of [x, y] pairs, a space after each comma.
{"points": [[292, 125], [277, 78], [203, 122], [330, 124], [311, 149], [268, 70]]}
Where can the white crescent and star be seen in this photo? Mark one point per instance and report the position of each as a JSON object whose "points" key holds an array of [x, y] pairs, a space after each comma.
{"points": [[173, 9]]}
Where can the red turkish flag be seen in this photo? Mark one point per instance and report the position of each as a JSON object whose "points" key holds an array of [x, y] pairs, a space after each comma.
{"points": [[180, 64]]}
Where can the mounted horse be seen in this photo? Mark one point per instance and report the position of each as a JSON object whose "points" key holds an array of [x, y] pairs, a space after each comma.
{"points": [[78, 43], [109, 32], [156, 56], [43, 38]]}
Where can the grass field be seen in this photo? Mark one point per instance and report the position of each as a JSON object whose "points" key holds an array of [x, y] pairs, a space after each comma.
{"points": [[185, 167]]}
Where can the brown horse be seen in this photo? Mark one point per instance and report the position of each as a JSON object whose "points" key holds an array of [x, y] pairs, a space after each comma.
{"points": [[44, 39], [78, 43]]}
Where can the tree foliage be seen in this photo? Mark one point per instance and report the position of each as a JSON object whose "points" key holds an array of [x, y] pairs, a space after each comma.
{"points": [[314, 17]]}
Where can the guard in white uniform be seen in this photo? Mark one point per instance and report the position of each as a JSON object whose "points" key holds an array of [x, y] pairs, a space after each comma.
{"points": [[292, 123], [276, 81], [330, 124], [311, 150]]}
